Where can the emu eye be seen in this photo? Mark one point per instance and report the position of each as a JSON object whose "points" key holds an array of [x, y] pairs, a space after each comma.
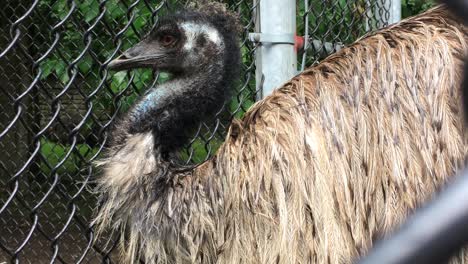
{"points": [[167, 40]]}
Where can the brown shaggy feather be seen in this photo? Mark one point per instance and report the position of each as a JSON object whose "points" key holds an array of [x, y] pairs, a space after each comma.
{"points": [[313, 173]]}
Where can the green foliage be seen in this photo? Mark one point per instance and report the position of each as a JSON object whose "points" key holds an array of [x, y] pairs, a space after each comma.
{"points": [[56, 153], [73, 39], [72, 35], [199, 149], [414, 7]]}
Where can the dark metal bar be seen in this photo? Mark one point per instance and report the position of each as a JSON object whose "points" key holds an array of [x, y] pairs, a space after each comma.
{"points": [[433, 234], [459, 7]]}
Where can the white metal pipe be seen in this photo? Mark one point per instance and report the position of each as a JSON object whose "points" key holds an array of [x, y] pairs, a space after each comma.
{"points": [[395, 11], [276, 59], [306, 34]]}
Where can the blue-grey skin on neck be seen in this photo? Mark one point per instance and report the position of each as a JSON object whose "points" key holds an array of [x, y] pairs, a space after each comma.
{"points": [[152, 97], [157, 98]]}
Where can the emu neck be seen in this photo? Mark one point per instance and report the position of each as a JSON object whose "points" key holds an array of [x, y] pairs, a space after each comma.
{"points": [[137, 164], [171, 109]]}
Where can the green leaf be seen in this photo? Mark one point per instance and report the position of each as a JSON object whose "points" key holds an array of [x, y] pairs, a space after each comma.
{"points": [[61, 9], [60, 67], [163, 77], [47, 67], [144, 76], [85, 64], [64, 78], [118, 78], [61, 71], [91, 15], [140, 22], [115, 9]]}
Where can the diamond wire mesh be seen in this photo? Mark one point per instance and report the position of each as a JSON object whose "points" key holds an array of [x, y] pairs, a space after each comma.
{"points": [[329, 25], [57, 102]]}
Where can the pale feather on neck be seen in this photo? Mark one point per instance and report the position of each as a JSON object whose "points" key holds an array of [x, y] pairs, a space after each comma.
{"points": [[130, 162]]}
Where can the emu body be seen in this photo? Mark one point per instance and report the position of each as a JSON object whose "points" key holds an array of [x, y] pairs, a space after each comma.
{"points": [[315, 172]]}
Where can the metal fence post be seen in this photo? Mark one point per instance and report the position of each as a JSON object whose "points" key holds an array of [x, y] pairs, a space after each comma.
{"points": [[276, 58], [395, 11]]}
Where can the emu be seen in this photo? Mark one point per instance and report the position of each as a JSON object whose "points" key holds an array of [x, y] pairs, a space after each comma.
{"points": [[314, 173]]}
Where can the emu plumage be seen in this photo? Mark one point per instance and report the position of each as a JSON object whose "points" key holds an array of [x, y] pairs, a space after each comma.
{"points": [[315, 172]]}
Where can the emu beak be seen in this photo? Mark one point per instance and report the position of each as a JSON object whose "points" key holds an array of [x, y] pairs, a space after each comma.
{"points": [[120, 63], [142, 55]]}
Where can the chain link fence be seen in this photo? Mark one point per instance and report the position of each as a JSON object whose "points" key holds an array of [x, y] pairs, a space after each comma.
{"points": [[58, 101], [327, 26]]}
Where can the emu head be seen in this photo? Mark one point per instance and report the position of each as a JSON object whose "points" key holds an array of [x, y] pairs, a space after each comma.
{"points": [[186, 42]]}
